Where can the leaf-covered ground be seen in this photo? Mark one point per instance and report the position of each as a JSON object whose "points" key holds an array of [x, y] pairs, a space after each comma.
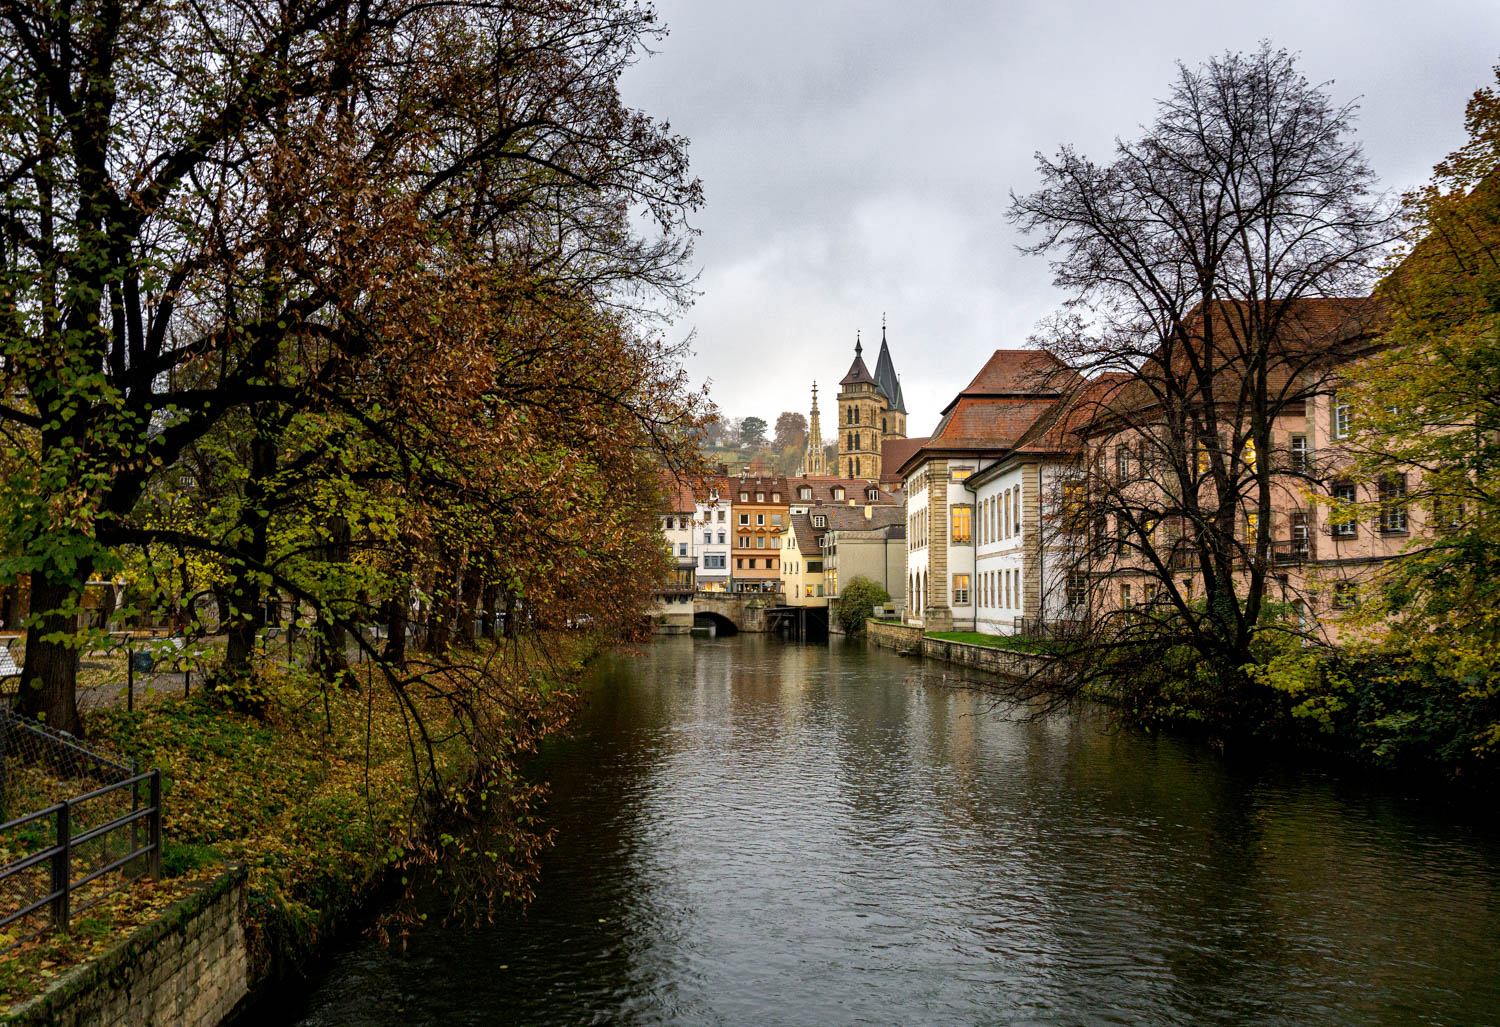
{"points": [[316, 797]]}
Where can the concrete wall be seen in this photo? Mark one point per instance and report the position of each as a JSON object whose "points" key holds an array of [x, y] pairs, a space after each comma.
{"points": [[189, 967]]}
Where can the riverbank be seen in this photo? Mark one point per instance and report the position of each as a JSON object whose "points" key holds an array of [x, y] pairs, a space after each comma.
{"points": [[320, 798], [1373, 709]]}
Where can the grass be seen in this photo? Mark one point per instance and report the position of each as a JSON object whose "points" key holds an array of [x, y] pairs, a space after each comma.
{"points": [[1014, 643], [316, 796]]}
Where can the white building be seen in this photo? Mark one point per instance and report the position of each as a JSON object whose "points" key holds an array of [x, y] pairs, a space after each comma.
{"points": [[982, 553], [713, 517]]}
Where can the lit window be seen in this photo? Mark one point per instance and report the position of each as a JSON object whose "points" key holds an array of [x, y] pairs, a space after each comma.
{"points": [[963, 525], [960, 590], [960, 473]]}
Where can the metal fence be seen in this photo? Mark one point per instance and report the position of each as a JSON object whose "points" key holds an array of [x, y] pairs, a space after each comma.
{"points": [[89, 825]]}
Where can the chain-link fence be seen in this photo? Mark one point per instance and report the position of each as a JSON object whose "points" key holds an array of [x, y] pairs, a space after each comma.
{"points": [[79, 824]]}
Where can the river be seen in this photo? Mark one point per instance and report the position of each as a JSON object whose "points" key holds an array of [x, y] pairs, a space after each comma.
{"points": [[752, 832]]}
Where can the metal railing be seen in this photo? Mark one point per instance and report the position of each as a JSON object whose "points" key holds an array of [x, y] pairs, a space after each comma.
{"points": [[100, 832]]}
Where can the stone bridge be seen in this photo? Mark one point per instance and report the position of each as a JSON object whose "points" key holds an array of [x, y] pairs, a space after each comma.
{"points": [[729, 612]]}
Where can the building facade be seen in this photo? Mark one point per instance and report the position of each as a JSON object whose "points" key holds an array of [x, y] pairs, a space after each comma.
{"points": [[802, 563], [713, 520], [978, 557], [761, 514]]}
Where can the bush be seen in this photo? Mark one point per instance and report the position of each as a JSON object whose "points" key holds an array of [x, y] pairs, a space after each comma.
{"points": [[857, 600]]}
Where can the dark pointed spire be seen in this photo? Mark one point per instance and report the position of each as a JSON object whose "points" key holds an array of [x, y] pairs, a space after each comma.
{"points": [[885, 374], [858, 372]]}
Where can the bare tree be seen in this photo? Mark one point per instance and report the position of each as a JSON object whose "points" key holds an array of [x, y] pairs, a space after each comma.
{"points": [[1209, 266]]}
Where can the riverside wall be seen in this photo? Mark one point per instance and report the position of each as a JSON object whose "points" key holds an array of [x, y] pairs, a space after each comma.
{"points": [[188, 967], [911, 641]]}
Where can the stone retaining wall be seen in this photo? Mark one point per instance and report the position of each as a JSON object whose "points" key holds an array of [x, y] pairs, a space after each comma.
{"points": [[1004, 662], [188, 967], [900, 637]]}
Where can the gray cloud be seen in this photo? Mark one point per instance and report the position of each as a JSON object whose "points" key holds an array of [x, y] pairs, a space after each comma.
{"points": [[857, 156]]}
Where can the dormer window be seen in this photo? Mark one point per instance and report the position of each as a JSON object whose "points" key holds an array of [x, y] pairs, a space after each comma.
{"points": [[820, 521], [838, 493], [805, 493], [760, 497], [873, 495], [775, 497], [744, 497]]}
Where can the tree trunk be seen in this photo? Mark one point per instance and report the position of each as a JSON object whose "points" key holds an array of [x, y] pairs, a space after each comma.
{"points": [[247, 598], [49, 685], [510, 614], [491, 601]]}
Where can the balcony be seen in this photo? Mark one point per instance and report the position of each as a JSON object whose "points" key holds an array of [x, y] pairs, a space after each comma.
{"points": [[1288, 552]]}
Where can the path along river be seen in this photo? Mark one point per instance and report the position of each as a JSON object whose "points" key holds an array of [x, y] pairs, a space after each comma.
{"points": [[752, 832]]}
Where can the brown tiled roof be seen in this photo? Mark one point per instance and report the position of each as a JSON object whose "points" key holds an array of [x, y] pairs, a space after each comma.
{"points": [[1311, 330], [822, 490], [807, 535], [845, 518]]}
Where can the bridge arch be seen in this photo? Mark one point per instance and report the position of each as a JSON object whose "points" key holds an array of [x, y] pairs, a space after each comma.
{"points": [[721, 624]]}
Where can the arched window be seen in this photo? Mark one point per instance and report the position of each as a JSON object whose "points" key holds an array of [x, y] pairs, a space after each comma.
{"points": [[857, 471]]}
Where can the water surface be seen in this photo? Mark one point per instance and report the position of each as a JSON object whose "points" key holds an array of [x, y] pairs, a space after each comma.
{"points": [[752, 832]]}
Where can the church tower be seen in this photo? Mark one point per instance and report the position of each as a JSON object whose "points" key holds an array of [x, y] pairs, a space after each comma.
{"points": [[815, 463], [861, 405], [893, 420]]}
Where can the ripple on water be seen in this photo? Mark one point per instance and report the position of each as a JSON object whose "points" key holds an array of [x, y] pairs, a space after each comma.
{"points": [[755, 833]]}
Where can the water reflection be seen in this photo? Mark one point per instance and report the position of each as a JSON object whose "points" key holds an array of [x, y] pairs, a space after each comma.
{"points": [[758, 833]]}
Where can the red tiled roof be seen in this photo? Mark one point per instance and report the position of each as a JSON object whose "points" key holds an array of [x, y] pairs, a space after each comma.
{"points": [[677, 491], [894, 453], [1018, 372]]}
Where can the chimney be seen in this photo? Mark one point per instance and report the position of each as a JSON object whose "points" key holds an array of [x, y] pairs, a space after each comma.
{"points": [[867, 511]]}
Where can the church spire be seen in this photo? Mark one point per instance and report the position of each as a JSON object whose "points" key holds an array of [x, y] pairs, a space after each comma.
{"points": [[814, 462]]}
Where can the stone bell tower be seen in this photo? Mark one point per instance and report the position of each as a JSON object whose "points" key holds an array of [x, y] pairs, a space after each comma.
{"points": [[861, 434]]}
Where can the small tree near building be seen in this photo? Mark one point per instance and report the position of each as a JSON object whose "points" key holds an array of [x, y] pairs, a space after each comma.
{"points": [[857, 602]]}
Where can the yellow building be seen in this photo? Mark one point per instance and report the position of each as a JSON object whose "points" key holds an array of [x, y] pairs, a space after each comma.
{"points": [[802, 563]]}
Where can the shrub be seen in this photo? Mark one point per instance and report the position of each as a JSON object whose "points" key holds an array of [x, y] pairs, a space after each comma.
{"points": [[857, 600]]}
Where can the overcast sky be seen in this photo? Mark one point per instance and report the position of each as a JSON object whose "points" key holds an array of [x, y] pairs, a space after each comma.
{"points": [[857, 156]]}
